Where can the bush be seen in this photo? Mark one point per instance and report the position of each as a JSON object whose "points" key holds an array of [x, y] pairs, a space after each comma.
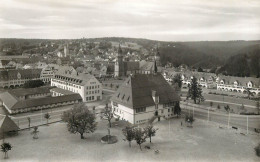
{"points": [[33, 84], [257, 150]]}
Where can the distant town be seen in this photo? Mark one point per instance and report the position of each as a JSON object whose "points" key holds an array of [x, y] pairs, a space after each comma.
{"points": [[118, 90]]}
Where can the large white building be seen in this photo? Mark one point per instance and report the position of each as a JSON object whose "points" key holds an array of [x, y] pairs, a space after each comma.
{"points": [[89, 88], [144, 97]]}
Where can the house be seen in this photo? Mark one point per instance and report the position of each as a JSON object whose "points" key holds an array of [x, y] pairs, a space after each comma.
{"points": [[89, 88], [143, 97], [26, 100]]}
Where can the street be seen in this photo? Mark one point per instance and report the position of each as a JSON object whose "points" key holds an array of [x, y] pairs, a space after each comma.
{"points": [[239, 121]]}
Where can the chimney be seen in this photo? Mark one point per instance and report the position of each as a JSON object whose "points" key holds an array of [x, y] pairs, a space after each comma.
{"points": [[155, 97]]}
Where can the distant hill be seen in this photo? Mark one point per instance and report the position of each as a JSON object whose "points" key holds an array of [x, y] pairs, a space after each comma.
{"points": [[205, 54], [245, 63], [179, 53]]}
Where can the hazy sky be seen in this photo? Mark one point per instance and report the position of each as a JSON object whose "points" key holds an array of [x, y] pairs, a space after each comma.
{"points": [[171, 20]]}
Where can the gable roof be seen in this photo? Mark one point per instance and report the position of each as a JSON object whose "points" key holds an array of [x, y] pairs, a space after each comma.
{"points": [[29, 91], [131, 66], [242, 81], [147, 66], [6, 75], [7, 124], [137, 90]]}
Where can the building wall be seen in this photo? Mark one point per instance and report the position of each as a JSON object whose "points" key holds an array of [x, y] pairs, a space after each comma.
{"points": [[130, 115], [28, 109], [123, 112], [91, 91]]}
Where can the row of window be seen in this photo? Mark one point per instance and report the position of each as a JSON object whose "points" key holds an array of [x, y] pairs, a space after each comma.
{"points": [[168, 104], [92, 92], [90, 98], [72, 85], [92, 87], [141, 109]]}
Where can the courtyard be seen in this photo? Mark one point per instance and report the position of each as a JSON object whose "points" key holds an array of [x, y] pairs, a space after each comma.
{"points": [[204, 142]]}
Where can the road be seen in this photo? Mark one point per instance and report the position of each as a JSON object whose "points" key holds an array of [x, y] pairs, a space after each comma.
{"points": [[239, 121]]}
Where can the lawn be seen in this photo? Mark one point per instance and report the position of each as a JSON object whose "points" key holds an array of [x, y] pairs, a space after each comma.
{"points": [[204, 142]]}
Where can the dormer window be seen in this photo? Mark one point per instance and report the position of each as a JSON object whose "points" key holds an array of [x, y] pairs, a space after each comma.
{"points": [[249, 84]]}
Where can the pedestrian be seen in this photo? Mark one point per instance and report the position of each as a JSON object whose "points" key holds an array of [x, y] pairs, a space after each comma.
{"points": [[181, 123]]}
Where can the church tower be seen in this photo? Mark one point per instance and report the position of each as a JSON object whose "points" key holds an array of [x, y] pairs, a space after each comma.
{"points": [[119, 64], [156, 60], [66, 50]]}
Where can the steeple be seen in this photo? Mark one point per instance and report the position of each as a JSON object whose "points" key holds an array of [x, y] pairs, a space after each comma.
{"points": [[155, 56], [120, 52]]}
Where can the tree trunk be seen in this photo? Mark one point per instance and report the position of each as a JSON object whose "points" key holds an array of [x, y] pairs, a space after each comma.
{"points": [[81, 136], [109, 123], [194, 101], [140, 147], [150, 139], [129, 143]]}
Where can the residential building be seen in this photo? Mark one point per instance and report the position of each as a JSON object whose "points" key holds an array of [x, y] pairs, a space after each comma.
{"points": [[238, 84], [17, 77], [144, 97], [89, 88]]}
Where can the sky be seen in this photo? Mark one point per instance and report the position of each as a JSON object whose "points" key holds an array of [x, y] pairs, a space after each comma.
{"points": [[165, 20]]}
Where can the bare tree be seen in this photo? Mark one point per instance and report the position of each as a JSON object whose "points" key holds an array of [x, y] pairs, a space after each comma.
{"points": [[107, 114], [29, 122], [150, 131]]}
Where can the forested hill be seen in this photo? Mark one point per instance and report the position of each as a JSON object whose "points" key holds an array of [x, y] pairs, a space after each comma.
{"points": [[245, 63]]}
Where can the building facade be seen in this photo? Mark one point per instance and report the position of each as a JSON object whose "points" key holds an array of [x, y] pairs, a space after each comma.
{"points": [[89, 88], [27, 100], [144, 97], [238, 84], [17, 77]]}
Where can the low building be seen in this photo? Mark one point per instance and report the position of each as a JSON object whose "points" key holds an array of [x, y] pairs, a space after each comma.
{"points": [[238, 84], [26, 100], [89, 88], [143, 97], [206, 80], [17, 77]]}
